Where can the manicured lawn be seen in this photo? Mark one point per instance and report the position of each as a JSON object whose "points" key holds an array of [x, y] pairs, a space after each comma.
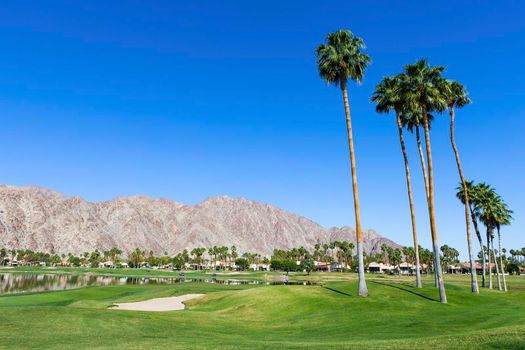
{"points": [[327, 316]]}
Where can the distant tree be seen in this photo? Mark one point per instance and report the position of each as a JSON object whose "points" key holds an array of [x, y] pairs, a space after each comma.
{"points": [[74, 260], [136, 257], [94, 258], [284, 265], [513, 268], [395, 257], [234, 255], [308, 264], [3, 256], [450, 255], [242, 263]]}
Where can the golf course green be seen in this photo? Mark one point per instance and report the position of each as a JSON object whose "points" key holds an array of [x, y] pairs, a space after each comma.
{"points": [[328, 315]]}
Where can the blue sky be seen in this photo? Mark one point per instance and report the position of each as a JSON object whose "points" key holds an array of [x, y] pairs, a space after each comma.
{"points": [[191, 100]]}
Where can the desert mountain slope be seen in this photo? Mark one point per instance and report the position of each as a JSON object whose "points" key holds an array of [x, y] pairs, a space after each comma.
{"points": [[44, 220]]}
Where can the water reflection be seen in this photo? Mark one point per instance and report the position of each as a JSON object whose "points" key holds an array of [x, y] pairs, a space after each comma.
{"points": [[22, 283]]}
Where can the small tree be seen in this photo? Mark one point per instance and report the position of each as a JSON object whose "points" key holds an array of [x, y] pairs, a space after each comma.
{"points": [[308, 264], [242, 263]]}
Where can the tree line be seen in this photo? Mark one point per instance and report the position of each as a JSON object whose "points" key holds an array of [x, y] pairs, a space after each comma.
{"points": [[295, 259], [217, 256]]}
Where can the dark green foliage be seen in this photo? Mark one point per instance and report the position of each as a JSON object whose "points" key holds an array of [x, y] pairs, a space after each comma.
{"points": [[242, 263], [513, 269], [284, 265]]}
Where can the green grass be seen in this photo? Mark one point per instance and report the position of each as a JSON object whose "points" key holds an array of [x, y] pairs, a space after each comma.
{"points": [[327, 316]]}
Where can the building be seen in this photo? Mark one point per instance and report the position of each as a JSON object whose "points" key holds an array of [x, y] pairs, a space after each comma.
{"points": [[259, 267], [323, 266], [375, 267], [453, 269], [465, 267], [108, 264]]}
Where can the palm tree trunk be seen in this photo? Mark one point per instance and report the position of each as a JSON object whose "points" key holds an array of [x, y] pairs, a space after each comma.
{"points": [[422, 159], [425, 179], [495, 261], [483, 257], [501, 262], [473, 276], [432, 214], [488, 251], [362, 289], [410, 200]]}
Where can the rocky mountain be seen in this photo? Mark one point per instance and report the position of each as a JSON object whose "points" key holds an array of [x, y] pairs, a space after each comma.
{"points": [[44, 220]]}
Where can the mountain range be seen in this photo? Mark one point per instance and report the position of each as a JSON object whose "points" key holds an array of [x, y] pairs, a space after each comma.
{"points": [[44, 220]]}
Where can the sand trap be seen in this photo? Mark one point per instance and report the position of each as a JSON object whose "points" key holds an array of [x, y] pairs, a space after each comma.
{"points": [[158, 304]]}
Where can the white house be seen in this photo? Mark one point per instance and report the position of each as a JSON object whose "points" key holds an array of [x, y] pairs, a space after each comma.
{"points": [[260, 267], [106, 264], [375, 267]]}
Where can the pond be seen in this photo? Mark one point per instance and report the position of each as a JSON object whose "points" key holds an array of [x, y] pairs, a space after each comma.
{"points": [[11, 283]]}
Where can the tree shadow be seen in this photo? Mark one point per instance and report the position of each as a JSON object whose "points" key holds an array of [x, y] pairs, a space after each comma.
{"points": [[338, 291], [405, 290]]}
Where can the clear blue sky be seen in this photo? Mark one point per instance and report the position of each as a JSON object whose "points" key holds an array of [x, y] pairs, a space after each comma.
{"points": [[186, 100]]}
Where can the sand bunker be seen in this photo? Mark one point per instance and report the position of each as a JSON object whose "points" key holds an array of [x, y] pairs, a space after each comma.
{"points": [[158, 304]]}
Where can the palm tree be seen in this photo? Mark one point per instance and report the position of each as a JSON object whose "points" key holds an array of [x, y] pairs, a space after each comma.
{"points": [[326, 246], [339, 60], [408, 254], [456, 97], [387, 98], [419, 90], [395, 257], [234, 255], [136, 257], [350, 254], [386, 250], [333, 245], [504, 216], [344, 247], [474, 195], [490, 206]]}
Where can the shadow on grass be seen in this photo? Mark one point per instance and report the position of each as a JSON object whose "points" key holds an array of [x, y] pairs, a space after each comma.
{"points": [[337, 291], [405, 290]]}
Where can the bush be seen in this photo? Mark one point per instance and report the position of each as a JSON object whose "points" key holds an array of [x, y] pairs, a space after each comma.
{"points": [[284, 265], [513, 269], [242, 263], [308, 265]]}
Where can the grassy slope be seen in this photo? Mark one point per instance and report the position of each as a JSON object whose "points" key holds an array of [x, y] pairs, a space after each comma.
{"points": [[329, 316]]}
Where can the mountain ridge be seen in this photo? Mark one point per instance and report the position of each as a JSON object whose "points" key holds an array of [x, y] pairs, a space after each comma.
{"points": [[37, 218]]}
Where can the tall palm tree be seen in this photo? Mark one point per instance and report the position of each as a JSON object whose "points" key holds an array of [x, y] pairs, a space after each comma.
{"points": [[456, 96], [504, 216], [474, 195], [387, 98], [339, 60], [419, 87], [490, 206]]}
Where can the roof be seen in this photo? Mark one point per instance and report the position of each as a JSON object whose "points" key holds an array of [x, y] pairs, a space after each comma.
{"points": [[477, 265], [380, 265]]}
